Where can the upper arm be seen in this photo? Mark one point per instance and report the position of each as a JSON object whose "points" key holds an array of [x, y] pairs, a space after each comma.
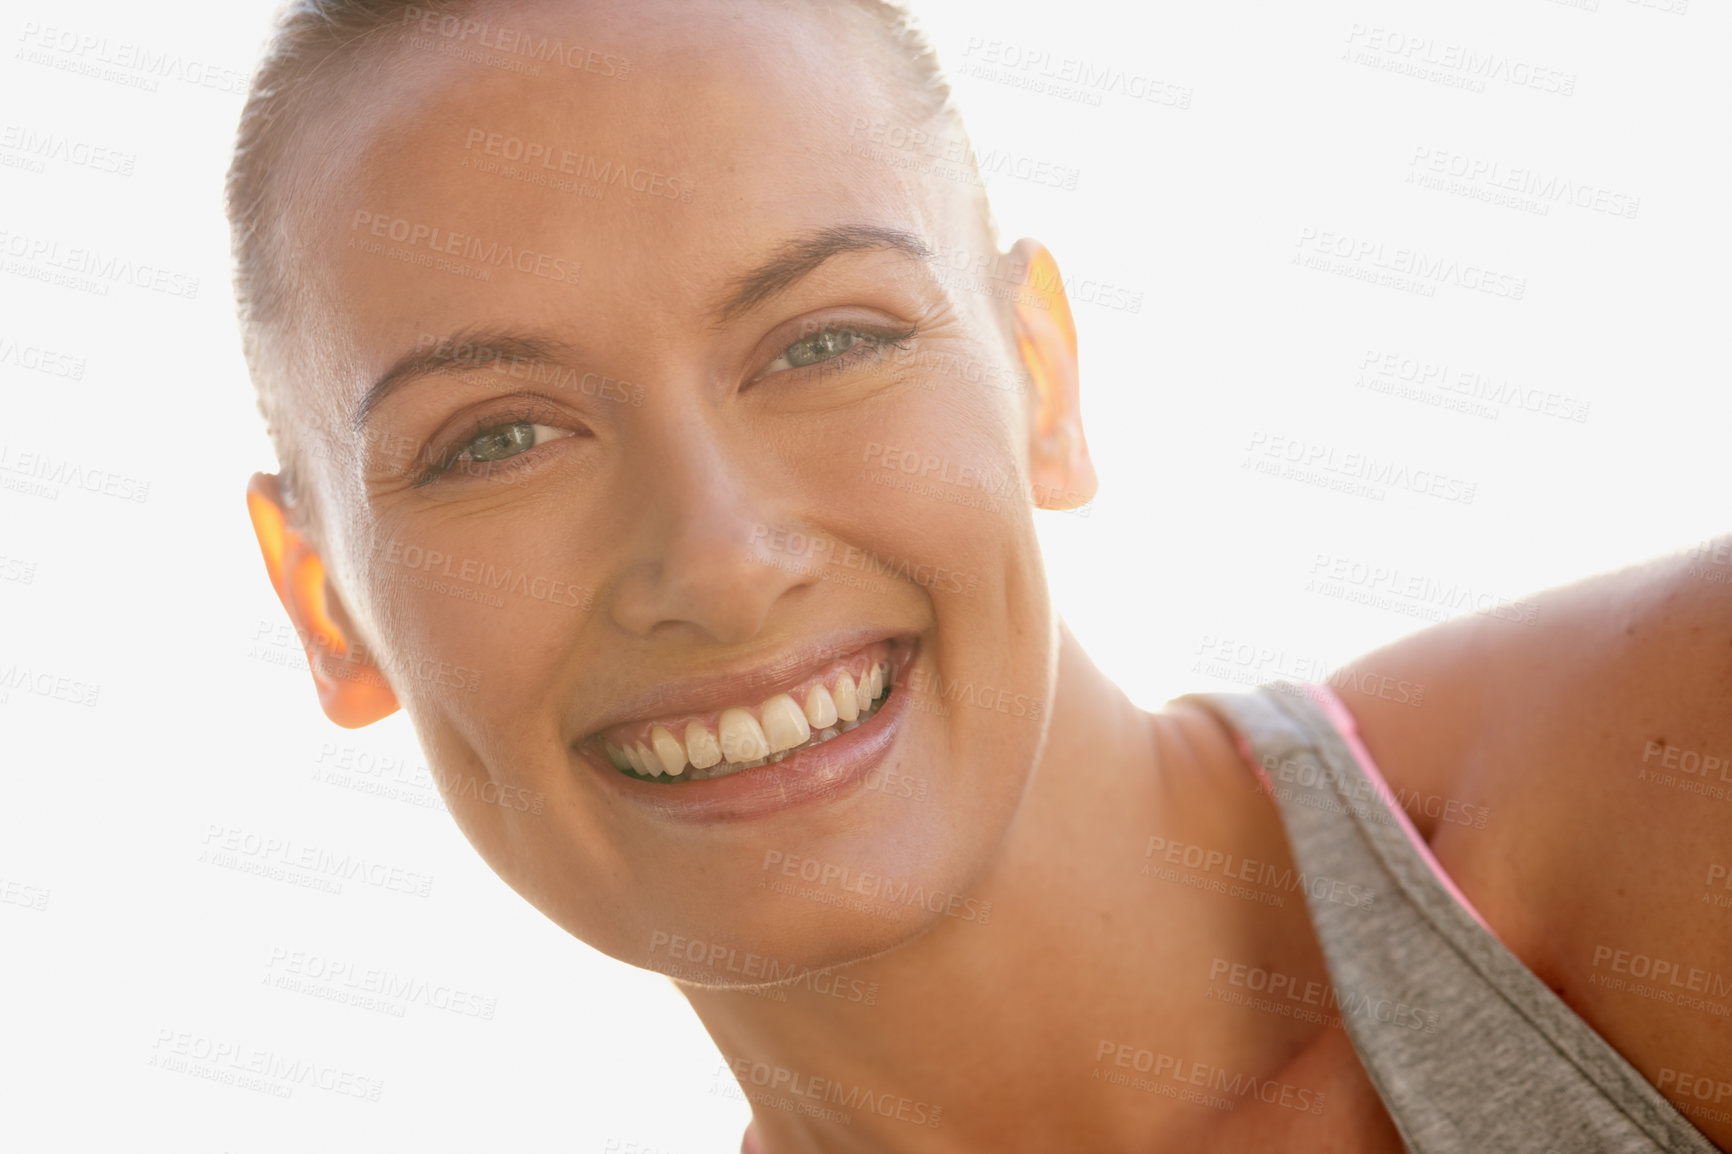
{"points": [[1599, 743], [1640, 813]]}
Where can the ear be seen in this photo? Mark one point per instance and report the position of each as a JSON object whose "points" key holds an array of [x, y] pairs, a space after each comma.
{"points": [[352, 690], [1060, 469]]}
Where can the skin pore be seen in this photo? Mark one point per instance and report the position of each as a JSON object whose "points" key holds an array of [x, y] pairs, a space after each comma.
{"points": [[672, 451]]}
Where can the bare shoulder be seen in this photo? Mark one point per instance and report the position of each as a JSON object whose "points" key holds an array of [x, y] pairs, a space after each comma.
{"points": [[1596, 742]]}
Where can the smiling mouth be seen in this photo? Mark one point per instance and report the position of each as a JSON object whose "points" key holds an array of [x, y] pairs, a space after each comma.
{"points": [[719, 743]]}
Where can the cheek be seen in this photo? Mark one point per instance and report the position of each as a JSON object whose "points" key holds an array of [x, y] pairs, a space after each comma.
{"points": [[472, 625], [936, 471]]}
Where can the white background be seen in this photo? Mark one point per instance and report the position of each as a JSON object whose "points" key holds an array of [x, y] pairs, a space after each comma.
{"points": [[206, 718]]}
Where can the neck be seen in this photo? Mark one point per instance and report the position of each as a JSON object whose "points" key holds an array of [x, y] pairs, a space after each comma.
{"points": [[989, 1035]]}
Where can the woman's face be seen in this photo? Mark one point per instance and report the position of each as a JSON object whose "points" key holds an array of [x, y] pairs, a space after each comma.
{"points": [[676, 419]]}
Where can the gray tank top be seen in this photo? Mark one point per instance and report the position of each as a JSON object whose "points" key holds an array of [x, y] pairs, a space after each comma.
{"points": [[1468, 1049]]}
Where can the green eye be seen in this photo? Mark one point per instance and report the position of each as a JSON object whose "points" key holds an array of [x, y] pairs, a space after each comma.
{"points": [[498, 444], [817, 347], [842, 344]]}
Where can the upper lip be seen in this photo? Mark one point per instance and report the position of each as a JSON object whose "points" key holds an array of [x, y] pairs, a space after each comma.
{"points": [[747, 681]]}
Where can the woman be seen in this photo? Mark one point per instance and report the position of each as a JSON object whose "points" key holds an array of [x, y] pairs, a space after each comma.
{"points": [[596, 341]]}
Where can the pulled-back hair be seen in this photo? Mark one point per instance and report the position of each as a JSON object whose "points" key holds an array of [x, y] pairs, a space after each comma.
{"points": [[312, 43]]}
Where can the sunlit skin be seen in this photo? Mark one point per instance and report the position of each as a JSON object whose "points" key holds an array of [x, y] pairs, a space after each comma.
{"points": [[660, 503]]}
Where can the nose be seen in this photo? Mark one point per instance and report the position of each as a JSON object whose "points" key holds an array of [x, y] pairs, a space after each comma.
{"points": [[697, 558]]}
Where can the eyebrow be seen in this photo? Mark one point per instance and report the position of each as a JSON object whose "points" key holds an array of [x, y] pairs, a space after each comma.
{"points": [[794, 259], [499, 345], [798, 257]]}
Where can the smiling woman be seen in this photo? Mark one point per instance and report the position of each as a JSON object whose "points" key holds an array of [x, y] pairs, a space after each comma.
{"points": [[735, 430]]}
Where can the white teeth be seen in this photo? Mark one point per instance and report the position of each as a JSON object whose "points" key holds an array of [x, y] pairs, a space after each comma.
{"points": [[701, 746], [669, 750], [847, 701], [742, 738], [741, 741], [820, 708], [784, 725]]}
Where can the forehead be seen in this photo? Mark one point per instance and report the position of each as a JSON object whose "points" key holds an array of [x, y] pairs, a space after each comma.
{"points": [[618, 163]]}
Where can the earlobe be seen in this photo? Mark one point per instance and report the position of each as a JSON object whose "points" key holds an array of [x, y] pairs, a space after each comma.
{"points": [[352, 690], [1061, 472]]}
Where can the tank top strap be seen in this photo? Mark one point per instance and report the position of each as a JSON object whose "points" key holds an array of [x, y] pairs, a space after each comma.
{"points": [[1468, 1048]]}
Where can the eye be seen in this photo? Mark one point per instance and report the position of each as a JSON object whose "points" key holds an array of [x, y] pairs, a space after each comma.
{"points": [[494, 443], [832, 343]]}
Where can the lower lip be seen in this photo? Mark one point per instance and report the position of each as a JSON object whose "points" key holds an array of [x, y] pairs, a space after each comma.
{"points": [[814, 775]]}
